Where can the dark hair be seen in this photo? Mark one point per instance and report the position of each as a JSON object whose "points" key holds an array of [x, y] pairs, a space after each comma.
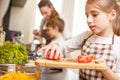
{"points": [[57, 22], [47, 3]]}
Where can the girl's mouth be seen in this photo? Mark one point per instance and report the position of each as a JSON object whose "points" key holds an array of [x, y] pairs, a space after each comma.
{"points": [[92, 27]]}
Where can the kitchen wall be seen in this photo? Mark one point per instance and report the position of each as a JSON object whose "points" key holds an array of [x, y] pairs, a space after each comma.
{"points": [[3, 8], [23, 19], [67, 12]]}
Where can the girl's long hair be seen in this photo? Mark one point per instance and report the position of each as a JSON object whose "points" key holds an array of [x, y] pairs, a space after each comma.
{"points": [[107, 6]]}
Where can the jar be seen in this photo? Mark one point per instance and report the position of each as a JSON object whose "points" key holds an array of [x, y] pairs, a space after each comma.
{"points": [[2, 36]]}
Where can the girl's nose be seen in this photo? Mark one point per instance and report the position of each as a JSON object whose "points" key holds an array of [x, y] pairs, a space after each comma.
{"points": [[89, 19]]}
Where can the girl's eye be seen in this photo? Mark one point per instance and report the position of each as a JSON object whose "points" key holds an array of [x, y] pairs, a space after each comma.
{"points": [[87, 16], [95, 14]]}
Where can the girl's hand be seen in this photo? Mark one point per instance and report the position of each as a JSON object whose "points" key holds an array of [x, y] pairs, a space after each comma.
{"points": [[53, 49], [100, 60]]}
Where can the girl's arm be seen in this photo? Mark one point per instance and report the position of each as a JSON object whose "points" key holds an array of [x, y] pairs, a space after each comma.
{"points": [[73, 43], [67, 46]]}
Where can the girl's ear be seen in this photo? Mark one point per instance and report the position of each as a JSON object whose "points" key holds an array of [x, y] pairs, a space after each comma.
{"points": [[112, 14]]}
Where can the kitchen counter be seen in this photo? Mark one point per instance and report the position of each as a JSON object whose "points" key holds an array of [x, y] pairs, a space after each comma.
{"points": [[66, 74]]}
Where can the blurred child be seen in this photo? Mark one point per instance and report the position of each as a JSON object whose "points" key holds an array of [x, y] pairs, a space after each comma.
{"points": [[55, 29]]}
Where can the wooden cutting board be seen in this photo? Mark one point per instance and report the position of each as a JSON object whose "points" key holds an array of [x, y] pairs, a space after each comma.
{"points": [[69, 64]]}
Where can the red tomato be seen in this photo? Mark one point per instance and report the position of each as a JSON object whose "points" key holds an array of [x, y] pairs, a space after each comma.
{"points": [[85, 59], [47, 55], [53, 57]]}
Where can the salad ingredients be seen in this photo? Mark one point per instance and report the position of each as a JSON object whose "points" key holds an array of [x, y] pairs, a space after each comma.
{"points": [[53, 57], [85, 58], [20, 76], [13, 53]]}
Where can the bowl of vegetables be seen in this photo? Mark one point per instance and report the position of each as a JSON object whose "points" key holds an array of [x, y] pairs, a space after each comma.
{"points": [[12, 54]]}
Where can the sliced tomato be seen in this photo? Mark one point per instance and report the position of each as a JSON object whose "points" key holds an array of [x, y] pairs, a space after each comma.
{"points": [[85, 59], [47, 55], [53, 57]]}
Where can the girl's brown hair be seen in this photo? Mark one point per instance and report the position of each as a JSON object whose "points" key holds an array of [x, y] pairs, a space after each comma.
{"points": [[107, 6], [47, 3]]}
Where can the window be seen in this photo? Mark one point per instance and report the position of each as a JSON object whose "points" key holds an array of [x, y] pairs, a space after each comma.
{"points": [[79, 18]]}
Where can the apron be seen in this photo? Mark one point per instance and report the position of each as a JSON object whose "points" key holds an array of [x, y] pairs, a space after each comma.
{"points": [[100, 51]]}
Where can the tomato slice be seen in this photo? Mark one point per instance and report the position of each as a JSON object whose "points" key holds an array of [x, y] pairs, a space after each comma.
{"points": [[85, 59], [53, 57]]}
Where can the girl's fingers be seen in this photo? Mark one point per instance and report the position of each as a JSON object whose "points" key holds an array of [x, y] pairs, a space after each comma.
{"points": [[44, 49], [47, 49], [53, 50], [99, 61], [58, 53]]}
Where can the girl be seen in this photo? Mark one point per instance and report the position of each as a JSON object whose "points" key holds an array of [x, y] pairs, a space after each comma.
{"points": [[103, 41]]}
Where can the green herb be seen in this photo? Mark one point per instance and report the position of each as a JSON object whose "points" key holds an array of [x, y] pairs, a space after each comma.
{"points": [[13, 53]]}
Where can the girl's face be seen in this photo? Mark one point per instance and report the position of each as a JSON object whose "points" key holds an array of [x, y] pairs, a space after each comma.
{"points": [[98, 21], [46, 12]]}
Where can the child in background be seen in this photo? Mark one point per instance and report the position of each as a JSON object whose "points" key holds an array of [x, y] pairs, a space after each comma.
{"points": [[103, 41], [55, 29]]}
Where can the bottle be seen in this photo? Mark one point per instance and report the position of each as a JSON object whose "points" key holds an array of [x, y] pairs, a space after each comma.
{"points": [[2, 36]]}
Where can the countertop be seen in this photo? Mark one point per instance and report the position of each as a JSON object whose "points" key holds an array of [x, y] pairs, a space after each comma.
{"points": [[66, 74]]}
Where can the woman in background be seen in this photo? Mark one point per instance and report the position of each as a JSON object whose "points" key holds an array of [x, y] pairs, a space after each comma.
{"points": [[48, 11]]}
